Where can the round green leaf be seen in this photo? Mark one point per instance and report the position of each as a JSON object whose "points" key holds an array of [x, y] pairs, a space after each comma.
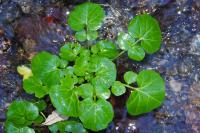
{"points": [[147, 30], [118, 88], [96, 115], [70, 51], [125, 41], [22, 113], [11, 128], [65, 101], [34, 85], [136, 53], [149, 95], [67, 126], [86, 90], [92, 35], [130, 77], [88, 14], [41, 104], [45, 67], [105, 75], [106, 49], [81, 36]]}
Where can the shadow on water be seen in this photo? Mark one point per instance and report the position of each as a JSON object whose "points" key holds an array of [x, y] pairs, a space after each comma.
{"points": [[30, 26]]}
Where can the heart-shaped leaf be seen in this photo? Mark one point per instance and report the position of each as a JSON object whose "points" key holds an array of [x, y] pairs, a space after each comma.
{"points": [[35, 85], [86, 90], [11, 128], [65, 101], [149, 95], [105, 72], [45, 67], [87, 15], [67, 126], [136, 53], [70, 51], [118, 88], [130, 77], [105, 48], [146, 29], [96, 115], [22, 113]]}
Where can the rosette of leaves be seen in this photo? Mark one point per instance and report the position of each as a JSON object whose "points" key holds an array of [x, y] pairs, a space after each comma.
{"points": [[80, 80], [86, 19], [144, 36]]}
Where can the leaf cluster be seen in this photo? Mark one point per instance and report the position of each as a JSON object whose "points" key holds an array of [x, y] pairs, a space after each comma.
{"points": [[82, 77]]}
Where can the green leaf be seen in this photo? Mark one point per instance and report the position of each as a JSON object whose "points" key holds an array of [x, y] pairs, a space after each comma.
{"points": [[81, 65], [35, 85], [105, 48], [130, 77], [92, 35], [87, 15], [81, 36], [105, 75], [146, 29], [118, 88], [70, 51], [41, 104], [136, 53], [39, 120], [22, 113], [96, 115], [125, 41], [68, 82], [65, 101], [67, 126], [11, 128], [149, 95], [86, 90], [45, 67]]}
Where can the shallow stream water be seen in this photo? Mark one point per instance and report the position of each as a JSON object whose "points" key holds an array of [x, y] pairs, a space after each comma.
{"points": [[30, 26]]}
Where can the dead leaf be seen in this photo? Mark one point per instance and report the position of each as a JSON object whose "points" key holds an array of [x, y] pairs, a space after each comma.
{"points": [[53, 118]]}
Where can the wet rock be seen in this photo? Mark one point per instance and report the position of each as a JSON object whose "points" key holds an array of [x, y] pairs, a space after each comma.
{"points": [[175, 85], [192, 110], [42, 32]]}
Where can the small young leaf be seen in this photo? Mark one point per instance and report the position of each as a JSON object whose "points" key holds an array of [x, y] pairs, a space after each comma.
{"points": [[118, 88], [136, 53], [67, 126], [81, 36], [146, 29], [11, 128], [149, 95], [86, 90], [130, 77], [106, 49], [24, 71], [70, 51], [96, 115], [65, 101], [39, 120], [34, 85], [92, 35], [125, 41], [88, 14], [22, 113]]}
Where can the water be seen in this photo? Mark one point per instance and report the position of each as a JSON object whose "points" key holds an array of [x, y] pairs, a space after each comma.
{"points": [[27, 27]]}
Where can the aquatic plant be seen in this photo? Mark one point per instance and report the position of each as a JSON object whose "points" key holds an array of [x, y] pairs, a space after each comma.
{"points": [[80, 80]]}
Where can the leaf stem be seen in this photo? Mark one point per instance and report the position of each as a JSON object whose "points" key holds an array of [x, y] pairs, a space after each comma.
{"points": [[122, 52], [43, 115], [128, 86]]}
